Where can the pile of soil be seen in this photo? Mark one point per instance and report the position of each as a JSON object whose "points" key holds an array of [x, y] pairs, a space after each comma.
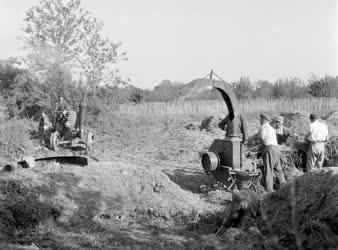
{"points": [[316, 213], [138, 193], [113, 194], [21, 210]]}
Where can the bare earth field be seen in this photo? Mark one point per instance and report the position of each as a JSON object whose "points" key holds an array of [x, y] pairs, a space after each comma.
{"points": [[141, 190]]}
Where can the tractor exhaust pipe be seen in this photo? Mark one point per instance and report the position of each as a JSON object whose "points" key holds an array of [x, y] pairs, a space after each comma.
{"points": [[81, 113]]}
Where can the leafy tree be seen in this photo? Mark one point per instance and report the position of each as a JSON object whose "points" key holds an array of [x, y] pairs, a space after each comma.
{"points": [[136, 96], [19, 90], [59, 81], [279, 90], [60, 32], [243, 88], [263, 89], [323, 87], [99, 55], [56, 27]]}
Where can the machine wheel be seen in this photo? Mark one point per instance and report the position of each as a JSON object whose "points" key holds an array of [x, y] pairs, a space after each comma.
{"points": [[90, 139], [54, 138]]}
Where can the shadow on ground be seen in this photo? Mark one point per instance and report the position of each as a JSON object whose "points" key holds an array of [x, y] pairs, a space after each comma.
{"points": [[188, 179]]}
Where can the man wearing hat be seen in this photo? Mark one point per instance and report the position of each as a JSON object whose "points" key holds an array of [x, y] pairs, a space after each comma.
{"points": [[245, 203], [318, 135], [270, 153], [60, 110], [282, 132]]}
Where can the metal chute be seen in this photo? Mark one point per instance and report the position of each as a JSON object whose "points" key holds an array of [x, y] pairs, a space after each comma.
{"points": [[208, 83]]}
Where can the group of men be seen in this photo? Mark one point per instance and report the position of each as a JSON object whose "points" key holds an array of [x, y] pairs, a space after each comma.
{"points": [[317, 136], [245, 202]]}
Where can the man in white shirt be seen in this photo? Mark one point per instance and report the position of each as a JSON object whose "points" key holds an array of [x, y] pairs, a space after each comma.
{"points": [[270, 153], [318, 135]]}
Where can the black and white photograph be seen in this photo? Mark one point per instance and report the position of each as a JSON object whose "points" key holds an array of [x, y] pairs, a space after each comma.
{"points": [[168, 124]]}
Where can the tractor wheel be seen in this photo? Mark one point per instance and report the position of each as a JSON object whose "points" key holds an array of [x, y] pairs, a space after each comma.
{"points": [[90, 139], [54, 138]]}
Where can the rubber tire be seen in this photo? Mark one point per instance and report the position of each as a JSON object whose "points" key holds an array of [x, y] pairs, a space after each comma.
{"points": [[90, 139], [54, 137]]}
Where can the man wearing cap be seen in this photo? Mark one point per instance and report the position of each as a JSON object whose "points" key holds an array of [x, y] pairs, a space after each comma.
{"points": [[282, 132], [270, 153], [61, 105], [318, 135], [245, 203], [60, 110]]}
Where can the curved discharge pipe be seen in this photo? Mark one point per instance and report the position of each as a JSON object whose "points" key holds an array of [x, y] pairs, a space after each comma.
{"points": [[224, 88]]}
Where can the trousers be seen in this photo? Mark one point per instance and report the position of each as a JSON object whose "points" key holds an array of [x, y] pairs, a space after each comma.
{"points": [[271, 161], [315, 156]]}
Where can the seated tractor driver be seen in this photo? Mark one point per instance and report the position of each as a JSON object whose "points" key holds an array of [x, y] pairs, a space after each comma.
{"points": [[61, 109]]}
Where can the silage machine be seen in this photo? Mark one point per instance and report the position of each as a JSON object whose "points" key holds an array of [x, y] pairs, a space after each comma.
{"points": [[224, 157]]}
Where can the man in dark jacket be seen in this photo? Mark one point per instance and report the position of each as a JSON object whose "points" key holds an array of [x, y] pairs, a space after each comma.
{"points": [[235, 127], [245, 203], [282, 132], [61, 105]]}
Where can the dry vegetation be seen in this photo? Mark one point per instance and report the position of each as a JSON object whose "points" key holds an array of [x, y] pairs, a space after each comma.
{"points": [[142, 189], [217, 107]]}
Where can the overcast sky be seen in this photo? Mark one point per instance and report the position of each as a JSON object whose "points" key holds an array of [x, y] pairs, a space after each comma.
{"points": [[181, 40]]}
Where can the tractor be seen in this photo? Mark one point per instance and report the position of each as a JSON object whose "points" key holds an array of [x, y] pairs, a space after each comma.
{"points": [[67, 130], [224, 157]]}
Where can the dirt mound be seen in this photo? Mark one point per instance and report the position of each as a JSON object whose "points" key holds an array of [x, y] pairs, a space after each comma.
{"points": [[21, 210], [136, 192], [316, 197], [113, 194]]}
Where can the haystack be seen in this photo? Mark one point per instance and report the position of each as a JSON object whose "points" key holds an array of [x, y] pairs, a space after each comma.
{"points": [[332, 118], [298, 122], [316, 213], [331, 152], [209, 123]]}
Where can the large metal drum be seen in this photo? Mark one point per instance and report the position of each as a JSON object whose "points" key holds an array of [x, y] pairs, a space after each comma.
{"points": [[210, 162]]}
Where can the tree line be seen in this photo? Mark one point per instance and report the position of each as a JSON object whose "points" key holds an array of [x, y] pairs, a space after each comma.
{"points": [[290, 88], [68, 55]]}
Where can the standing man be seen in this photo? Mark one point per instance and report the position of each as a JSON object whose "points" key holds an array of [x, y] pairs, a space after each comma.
{"points": [[282, 132], [270, 153], [318, 135], [245, 203], [232, 127]]}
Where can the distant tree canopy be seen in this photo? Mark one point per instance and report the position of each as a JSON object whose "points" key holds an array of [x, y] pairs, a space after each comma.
{"points": [[290, 88]]}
